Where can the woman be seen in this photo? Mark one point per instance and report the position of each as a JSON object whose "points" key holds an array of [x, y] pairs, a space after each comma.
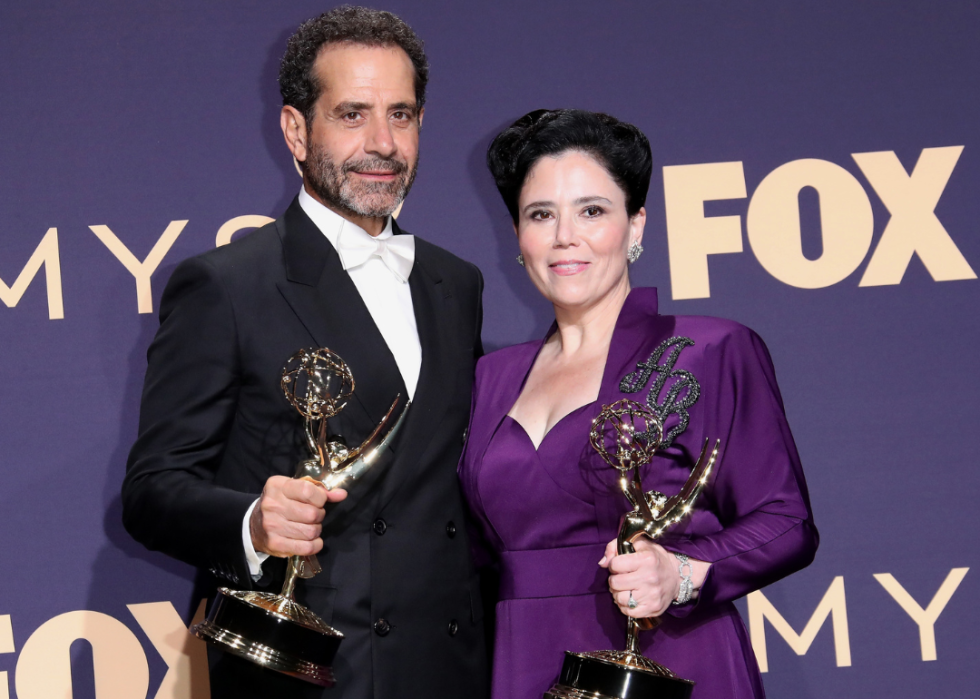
{"points": [[548, 507]]}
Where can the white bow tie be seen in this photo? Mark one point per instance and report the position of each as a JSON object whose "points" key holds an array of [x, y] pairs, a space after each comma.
{"points": [[397, 252]]}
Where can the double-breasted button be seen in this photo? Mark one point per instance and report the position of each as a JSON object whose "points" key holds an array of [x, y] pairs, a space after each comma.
{"points": [[380, 526], [453, 627], [382, 627], [451, 529]]}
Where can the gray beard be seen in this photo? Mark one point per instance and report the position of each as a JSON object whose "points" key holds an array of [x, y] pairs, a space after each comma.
{"points": [[335, 186]]}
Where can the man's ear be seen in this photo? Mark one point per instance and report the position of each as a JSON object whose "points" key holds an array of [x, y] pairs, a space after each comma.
{"points": [[421, 114], [293, 125]]}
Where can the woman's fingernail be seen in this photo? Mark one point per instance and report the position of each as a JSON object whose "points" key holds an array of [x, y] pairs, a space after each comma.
{"points": [[603, 561]]}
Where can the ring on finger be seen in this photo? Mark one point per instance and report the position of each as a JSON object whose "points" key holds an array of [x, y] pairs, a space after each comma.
{"points": [[632, 602]]}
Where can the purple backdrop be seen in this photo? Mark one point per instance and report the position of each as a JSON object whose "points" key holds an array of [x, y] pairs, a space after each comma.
{"points": [[135, 115]]}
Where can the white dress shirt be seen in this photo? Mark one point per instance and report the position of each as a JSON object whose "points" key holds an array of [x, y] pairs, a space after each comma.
{"points": [[389, 300]]}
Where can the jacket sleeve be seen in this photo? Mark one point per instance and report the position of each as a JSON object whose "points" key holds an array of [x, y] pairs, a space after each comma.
{"points": [[170, 500], [758, 491]]}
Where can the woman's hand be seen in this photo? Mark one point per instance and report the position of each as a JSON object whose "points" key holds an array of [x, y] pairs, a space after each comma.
{"points": [[652, 575]]}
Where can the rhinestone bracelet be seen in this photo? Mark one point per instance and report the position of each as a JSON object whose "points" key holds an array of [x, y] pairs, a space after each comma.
{"points": [[687, 587]]}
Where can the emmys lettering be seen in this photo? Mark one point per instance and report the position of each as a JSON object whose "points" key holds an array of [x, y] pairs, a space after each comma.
{"points": [[41, 659], [47, 254], [772, 223]]}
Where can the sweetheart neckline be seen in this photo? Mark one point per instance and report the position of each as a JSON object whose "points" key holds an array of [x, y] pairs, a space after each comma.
{"points": [[564, 417]]}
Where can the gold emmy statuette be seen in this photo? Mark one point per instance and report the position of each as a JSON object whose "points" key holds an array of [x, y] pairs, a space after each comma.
{"points": [[627, 435], [273, 630]]}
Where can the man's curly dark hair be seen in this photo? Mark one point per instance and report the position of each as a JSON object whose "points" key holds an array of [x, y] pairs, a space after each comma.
{"points": [[348, 24]]}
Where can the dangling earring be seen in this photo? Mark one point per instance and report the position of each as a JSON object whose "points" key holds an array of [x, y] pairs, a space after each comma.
{"points": [[633, 254], [520, 259]]}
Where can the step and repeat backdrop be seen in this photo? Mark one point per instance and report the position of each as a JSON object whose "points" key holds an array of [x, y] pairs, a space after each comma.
{"points": [[817, 178]]}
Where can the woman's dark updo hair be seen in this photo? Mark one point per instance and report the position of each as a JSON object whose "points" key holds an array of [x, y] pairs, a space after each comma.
{"points": [[620, 148]]}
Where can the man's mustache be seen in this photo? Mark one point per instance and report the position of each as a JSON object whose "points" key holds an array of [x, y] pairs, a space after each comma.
{"points": [[385, 165]]}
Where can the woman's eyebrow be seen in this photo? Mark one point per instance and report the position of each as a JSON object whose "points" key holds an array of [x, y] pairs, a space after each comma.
{"points": [[537, 204], [578, 202]]}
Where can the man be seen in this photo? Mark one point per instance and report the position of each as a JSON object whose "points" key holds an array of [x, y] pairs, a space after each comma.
{"points": [[208, 478]]}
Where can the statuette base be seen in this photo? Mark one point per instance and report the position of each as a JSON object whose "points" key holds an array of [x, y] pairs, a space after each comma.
{"points": [[616, 675], [295, 641]]}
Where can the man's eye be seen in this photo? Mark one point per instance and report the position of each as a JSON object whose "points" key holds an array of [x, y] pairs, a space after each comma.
{"points": [[351, 116], [400, 115]]}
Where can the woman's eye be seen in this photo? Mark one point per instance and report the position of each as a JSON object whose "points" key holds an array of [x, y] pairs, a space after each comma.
{"points": [[593, 211], [540, 215]]}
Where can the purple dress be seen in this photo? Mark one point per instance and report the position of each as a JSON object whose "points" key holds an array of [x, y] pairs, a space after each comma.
{"points": [[545, 516]]}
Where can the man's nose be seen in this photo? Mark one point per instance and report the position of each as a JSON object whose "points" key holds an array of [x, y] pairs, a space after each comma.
{"points": [[380, 140]]}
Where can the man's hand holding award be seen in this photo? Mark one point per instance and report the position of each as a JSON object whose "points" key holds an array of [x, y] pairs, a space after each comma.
{"points": [[273, 630]]}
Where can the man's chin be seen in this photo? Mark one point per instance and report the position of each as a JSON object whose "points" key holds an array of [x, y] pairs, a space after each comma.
{"points": [[373, 207]]}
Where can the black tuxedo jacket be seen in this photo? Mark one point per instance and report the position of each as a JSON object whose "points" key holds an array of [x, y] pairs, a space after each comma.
{"points": [[397, 576]]}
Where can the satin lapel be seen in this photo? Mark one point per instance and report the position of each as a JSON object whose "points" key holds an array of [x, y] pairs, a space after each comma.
{"points": [[639, 329], [435, 318], [610, 503], [328, 304]]}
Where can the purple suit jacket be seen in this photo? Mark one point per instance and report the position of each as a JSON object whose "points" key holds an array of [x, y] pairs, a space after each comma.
{"points": [[711, 379]]}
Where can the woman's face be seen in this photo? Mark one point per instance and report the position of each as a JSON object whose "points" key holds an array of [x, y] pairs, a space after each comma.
{"points": [[573, 230]]}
